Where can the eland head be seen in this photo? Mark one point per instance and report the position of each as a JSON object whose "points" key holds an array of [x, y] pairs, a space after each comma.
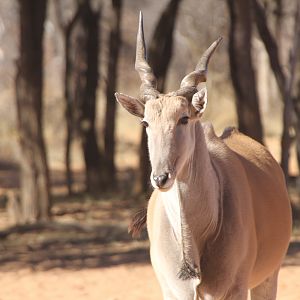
{"points": [[168, 118]]}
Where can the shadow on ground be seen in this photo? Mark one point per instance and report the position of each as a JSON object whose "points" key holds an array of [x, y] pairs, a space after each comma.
{"points": [[76, 246], [72, 246], [86, 233], [293, 254]]}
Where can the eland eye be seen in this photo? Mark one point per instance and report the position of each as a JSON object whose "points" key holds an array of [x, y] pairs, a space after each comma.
{"points": [[183, 121], [144, 123]]}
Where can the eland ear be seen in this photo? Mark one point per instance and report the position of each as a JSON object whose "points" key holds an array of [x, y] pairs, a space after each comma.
{"points": [[132, 105], [199, 101]]}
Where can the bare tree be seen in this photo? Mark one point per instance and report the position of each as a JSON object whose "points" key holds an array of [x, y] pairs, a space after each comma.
{"points": [[66, 30], [35, 194], [279, 18], [81, 40], [160, 54], [284, 80], [297, 110], [110, 116], [87, 71], [242, 73]]}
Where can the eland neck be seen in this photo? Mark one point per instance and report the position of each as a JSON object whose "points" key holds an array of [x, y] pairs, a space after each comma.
{"points": [[198, 194]]}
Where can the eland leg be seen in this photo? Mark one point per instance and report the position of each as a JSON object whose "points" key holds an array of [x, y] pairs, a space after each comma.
{"points": [[267, 290]]}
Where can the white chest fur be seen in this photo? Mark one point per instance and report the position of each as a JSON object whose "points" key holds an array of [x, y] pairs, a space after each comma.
{"points": [[171, 203], [166, 249]]}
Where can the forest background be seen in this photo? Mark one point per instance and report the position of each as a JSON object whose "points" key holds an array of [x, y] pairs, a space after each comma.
{"points": [[74, 165]]}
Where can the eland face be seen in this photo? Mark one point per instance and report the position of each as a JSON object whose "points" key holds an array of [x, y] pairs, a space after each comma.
{"points": [[167, 118], [167, 121]]}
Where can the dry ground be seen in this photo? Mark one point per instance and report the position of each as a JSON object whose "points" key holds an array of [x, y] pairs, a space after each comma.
{"points": [[123, 282], [86, 253]]}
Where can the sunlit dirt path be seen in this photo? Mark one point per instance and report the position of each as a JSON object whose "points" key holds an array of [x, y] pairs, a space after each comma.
{"points": [[124, 282]]}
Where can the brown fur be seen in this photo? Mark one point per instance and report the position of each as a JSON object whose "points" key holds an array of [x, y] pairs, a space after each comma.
{"points": [[138, 222], [222, 217]]}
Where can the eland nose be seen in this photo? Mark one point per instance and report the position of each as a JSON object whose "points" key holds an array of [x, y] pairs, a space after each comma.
{"points": [[160, 180]]}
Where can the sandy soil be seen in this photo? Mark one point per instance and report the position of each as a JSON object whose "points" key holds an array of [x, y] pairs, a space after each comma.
{"points": [[95, 259], [130, 282]]}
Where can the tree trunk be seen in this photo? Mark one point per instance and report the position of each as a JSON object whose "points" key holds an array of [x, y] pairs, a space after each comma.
{"points": [[278, 22], [35, 193], [69, 87], [242, 73], [81, 80], [285, 83], [270, 45], [110, 116], [297, 105], [69, 83], [288, 109], [160, 54], [296, 102], [88, 47]]}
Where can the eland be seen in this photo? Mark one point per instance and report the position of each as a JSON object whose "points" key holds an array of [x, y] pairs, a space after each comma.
{"points": [[219, 219]]}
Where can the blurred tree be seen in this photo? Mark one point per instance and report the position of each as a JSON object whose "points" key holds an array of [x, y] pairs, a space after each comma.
{"points": [[86, 64], [289, 107], [35, 194], [297, 109], [279, 18], [285, 80], [81, 41], [110, 115], [160, 54], [69, 82], [241, 68]]}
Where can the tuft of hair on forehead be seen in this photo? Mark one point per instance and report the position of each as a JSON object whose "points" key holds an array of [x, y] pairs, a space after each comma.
{"points": [[166, 106]]}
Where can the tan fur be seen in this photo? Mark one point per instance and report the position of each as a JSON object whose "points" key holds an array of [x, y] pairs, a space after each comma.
{"points": [[219, 220], [234, 200], [270, 202]]}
